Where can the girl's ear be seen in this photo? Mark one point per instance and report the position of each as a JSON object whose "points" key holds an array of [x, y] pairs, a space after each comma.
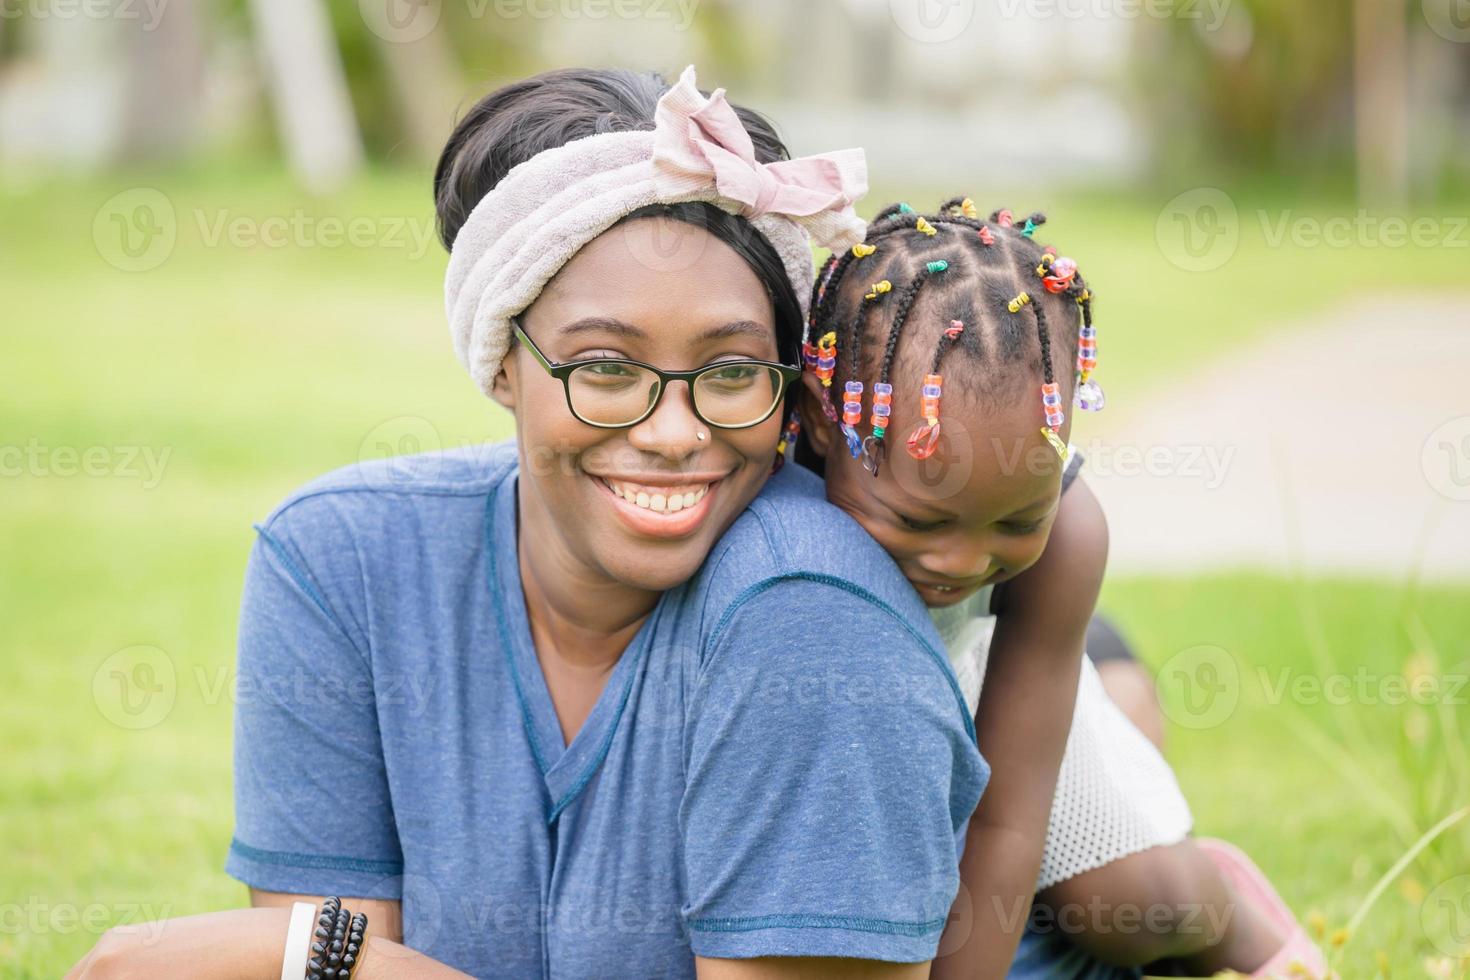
{"points": [[815, 427]]}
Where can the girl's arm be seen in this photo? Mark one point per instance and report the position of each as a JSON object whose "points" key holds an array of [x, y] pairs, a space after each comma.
{"points": [[1024, 718]]}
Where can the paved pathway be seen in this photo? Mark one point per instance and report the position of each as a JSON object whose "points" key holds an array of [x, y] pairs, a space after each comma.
{"points": [[1342, 444]]}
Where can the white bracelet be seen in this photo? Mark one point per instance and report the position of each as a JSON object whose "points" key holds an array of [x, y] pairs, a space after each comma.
{"points": [[298, 941]]}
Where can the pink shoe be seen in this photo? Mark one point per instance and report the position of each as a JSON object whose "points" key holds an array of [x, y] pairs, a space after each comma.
{"points": [[1299, 958]]}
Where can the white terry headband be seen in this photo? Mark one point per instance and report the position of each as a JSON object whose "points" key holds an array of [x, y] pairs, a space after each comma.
{"points": [[545, 209]]}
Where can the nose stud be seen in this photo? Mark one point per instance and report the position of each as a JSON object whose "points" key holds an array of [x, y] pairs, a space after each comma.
{"points": [[699, 436]]}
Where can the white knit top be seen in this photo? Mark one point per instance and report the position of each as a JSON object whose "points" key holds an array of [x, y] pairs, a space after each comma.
{"points": [[1115, 794]]}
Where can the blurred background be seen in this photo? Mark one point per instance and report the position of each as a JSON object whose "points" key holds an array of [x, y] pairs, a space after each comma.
{"points": [[219, 277]]}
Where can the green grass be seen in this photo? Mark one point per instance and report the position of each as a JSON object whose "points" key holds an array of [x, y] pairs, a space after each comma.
{"points": [[258, 368]]}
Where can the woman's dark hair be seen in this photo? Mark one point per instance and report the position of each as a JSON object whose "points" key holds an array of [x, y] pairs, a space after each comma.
{"points": [[514, 123]]}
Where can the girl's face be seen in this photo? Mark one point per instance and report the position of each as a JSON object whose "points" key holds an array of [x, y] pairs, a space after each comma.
{"points": [[976, 513], [671, 295]]}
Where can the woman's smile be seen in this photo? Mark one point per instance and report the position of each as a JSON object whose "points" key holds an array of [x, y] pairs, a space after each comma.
{"points": [[662, 509]]}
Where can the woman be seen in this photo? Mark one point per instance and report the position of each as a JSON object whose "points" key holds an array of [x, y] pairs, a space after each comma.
{"points": [[555, 708]]}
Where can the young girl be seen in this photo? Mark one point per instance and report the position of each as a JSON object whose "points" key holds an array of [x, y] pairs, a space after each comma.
{"points": [[942, 355]]}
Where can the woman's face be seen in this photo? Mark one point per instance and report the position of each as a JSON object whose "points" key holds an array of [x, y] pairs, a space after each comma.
{"points": [[674, 296]]}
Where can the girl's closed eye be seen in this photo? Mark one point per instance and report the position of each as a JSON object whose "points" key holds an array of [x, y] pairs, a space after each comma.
{"points": [[918, 525], [1022, 528]]}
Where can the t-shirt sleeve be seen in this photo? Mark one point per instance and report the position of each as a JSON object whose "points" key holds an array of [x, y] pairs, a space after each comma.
{"points": [[312, 807], [831, 771]]}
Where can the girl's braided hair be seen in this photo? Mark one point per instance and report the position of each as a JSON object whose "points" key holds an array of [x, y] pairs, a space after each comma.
{"points": [[1016, 309]]}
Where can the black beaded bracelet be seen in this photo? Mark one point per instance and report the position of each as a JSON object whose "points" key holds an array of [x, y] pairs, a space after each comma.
{"points": [[336, 943]]}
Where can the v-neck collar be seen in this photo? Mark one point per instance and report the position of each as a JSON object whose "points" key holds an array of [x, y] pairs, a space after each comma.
{"points": [[566, 769]]}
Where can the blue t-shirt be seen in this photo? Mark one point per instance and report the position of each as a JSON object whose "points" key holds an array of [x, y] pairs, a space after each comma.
{"points": [[780, 763]]}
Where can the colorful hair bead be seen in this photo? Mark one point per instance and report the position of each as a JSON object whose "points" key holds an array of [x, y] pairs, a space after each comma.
{"points": [[903, 208], [827, 358], [1059, 274], [986, 237], [955, 328], [925, 227], [878, 289], [1055, 441], [789, 436], [937, 266], [873, 446], [924, 440], [1051, 402], [1021, 300], [1088, 394], [967, 208], [862, 251], [852, 417], [1004, 218], [1029, 229], [882, 408], [809, 355]]}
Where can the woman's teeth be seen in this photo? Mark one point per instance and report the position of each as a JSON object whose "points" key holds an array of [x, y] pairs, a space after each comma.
{"points": [[664, 500]]}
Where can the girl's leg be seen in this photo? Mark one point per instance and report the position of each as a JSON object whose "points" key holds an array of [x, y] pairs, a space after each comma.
{"points": [[1167, 903]]}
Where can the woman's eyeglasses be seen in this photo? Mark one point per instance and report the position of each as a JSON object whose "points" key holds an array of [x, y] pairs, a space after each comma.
{"points": [[615, 393]]}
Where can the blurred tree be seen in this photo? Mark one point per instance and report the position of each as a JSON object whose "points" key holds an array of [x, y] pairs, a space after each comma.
{"points": [[1267, 84], [309, 91]]}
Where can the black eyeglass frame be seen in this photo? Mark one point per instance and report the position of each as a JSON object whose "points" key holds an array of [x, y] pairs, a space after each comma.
{"points": [[562, 371]]}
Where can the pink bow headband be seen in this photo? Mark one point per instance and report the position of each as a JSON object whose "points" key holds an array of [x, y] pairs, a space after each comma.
{"points": [[544, 210]]}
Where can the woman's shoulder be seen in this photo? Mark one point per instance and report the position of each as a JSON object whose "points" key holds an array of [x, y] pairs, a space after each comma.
{"points": [[471, 471], [390, 507], [791, 534]]}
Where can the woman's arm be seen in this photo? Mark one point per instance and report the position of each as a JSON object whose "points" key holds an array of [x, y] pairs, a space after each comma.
{"points": [[1024, 718], [808, 968], [246, 944]]}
